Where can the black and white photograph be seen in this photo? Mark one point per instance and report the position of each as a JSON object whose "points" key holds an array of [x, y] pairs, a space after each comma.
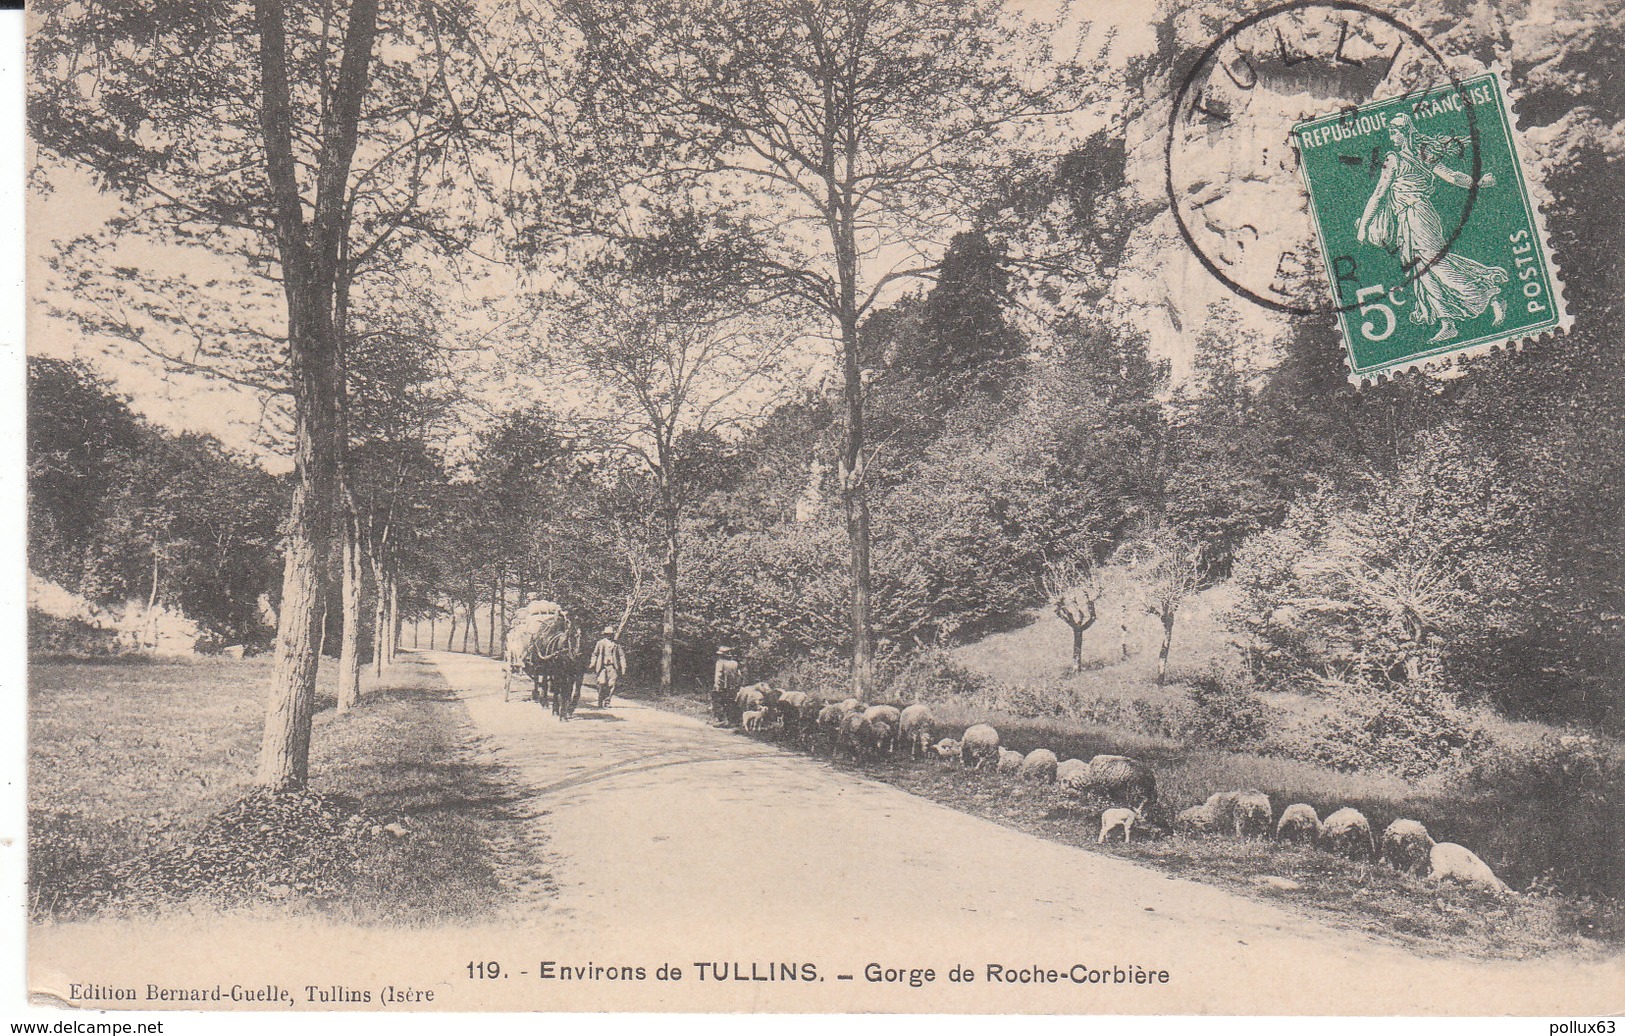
{"points": [[809, 507]]}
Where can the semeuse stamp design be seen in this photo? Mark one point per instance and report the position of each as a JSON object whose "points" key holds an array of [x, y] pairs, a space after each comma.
{"points": [[1432, 239]]}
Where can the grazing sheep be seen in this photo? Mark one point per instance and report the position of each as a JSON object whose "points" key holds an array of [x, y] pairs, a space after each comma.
{"points": [[1118, 779], [1406, 846], [770, 696], [789, 710], [1348, 833], [1197, 820], [753, 719], [1458, 863], [1299, 824], [1118, 817], [1070, 771], [917, 728], [1010, 762], [851, 705], [947, 749], [882, 736], [979, 746], [829, 723], [889, 715], [854, 735], [1246, 814], [748, 698], [1039, 766]]}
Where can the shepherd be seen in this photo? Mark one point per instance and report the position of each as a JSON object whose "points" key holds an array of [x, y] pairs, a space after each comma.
{"points": [[609, 662], [724, 686]]}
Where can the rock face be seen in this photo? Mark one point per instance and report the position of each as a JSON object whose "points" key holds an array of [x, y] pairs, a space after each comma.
{"points": [[136, 629]]}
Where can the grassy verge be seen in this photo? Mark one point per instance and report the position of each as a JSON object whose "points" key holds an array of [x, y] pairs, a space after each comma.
{"points": [[1430, 917], [138, 776]]}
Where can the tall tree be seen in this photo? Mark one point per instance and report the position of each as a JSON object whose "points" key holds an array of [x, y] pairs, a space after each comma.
{"points": [[680, 352], [854, 134], [285, 152]]}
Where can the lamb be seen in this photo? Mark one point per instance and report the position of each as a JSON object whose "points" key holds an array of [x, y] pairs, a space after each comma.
{"points": [[1298, 824], [1406, 846], [1040, 766], [888, 715], [753, 719], [1115, 778], [1197, 820], [917, 727], [1460, 864], [979, 746], [748, 698], [1010, 762], [1118, 818], [947, 749], [1247, 814], [1348, 833]]}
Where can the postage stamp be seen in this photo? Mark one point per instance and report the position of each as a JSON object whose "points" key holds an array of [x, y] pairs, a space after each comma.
{"points": [[1432, 240]]}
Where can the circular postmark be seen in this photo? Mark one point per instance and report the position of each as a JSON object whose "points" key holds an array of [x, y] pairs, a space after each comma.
{"points": [[1232, 169]]}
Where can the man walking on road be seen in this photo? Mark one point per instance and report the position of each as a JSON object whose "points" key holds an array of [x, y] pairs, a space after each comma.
{"points": [[608, 662], [724, 686]]}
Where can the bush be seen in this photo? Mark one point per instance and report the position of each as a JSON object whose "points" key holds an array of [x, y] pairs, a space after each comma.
{"points": [[49, 635], [1411, 729], [1225, 710], [933, 675]]}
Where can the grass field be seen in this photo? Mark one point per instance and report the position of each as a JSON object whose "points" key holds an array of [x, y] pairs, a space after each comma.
{"points": [[134, 763]]}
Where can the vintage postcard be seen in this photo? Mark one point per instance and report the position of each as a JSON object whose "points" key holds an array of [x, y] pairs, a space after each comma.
{"points": [[825, 507]]}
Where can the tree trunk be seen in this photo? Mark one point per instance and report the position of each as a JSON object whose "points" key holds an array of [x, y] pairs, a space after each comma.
{"points": [[1167, 645], [380, 613], [393, 643], [855, 503], [668, 615], [349, 692], [150, 638], [309, 273], [451, 634], [496, 591], [1077, 649]]}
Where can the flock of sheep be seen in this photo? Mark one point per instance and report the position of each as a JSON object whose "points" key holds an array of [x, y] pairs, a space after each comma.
{"points": [[1122, 786]]}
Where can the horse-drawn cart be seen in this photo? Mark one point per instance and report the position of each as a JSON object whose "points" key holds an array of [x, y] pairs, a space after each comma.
{"points": [[544, 646]]}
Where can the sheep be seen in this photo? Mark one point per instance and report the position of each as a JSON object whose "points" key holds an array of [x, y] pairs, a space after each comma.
{"points": [[882, 735], [889, 715], [917, 727], [1298, 824], [1197, 820], [748, 698], [851, 705], [947, 749], [1348, 833], [1069, 771], [1406, 846], [1246, 814], [1460, 864], [853, 735], [979, 746], [1010, 762], [1115, 778], [1117, 817], [753, 719], [1039, 766], [791, 709]]}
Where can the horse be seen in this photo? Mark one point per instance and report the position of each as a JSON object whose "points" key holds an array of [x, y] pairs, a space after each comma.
{"points": [[546, 650]]}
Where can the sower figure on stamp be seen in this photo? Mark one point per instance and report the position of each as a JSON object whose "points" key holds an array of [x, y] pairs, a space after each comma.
{"points": [[724, 686], [1400, 219], [608, 663]]}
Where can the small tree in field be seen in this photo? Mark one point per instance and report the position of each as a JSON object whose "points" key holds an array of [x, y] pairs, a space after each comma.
{"points": [[1072, 588], [1167, 566]]}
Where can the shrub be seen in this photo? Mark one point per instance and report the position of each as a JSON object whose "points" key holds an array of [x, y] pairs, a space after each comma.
{"points": [[1411, 729], [1225, 710], [933, 675], [49, 635]]}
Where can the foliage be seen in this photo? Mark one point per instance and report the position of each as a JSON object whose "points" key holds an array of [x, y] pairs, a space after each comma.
{"points": [[1410, 728], [1226, 711]]}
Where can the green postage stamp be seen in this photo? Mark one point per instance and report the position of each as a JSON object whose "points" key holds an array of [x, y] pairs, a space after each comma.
{"points": [[1432, 240]]}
